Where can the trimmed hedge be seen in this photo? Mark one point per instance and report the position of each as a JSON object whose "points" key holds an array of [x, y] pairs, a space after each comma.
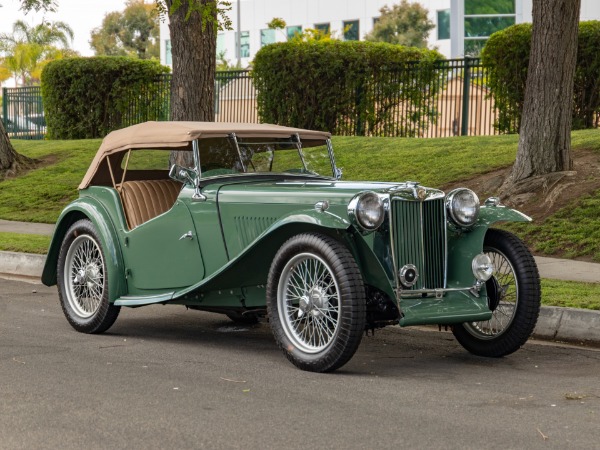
{"points": [[347, 87], [506, 54], [89, 97]]}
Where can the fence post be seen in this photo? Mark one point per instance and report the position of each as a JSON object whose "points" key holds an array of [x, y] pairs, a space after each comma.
{"points": [[464, 128], [4, 108]]}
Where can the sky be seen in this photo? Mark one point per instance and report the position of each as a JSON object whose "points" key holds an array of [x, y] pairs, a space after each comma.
{"points": [[81, 15]]}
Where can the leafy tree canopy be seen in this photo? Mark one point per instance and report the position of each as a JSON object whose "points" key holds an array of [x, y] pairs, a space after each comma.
{"points": [[405, 24], [132, 32]]}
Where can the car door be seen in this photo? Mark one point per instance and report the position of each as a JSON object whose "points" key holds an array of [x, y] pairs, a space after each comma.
{"points": [[163, 253]]}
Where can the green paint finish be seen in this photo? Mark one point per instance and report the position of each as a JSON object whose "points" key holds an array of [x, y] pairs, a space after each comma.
{"points": [[92, 208], [159, 254]]}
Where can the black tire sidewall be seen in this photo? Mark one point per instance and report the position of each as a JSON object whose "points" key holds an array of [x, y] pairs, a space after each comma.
{"points": [[528, 304], [106, 313], [351, 291]]}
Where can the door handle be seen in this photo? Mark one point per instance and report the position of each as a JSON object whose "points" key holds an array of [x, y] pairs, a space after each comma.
{"points": [[187, 235]]}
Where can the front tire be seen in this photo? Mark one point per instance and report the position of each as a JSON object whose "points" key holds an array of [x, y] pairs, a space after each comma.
{"points": [[316, 302], [514, 296], [83, 280]]}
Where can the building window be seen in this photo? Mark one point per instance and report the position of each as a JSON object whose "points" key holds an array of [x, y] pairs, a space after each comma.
{"points": [[267, 36], [221, 44], [324, 28], [375, 20], [481, 19], [477, 7], [351, 31], [443, 24], [168, 53], [245, 44], [293, 31]]}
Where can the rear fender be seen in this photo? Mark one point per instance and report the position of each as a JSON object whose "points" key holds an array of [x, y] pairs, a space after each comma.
{"points": [[89, 208]]}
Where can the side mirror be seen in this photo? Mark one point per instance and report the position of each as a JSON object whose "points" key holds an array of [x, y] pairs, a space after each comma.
{"points": [[183, 175], [187, 176]]}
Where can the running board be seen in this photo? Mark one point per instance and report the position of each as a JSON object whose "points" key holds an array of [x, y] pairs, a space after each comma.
{"points": [[144, 300]]}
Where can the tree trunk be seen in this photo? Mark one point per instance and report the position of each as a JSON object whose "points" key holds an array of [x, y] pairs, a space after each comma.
{"points": [[10, 161], [545, 133], [193, 50]]}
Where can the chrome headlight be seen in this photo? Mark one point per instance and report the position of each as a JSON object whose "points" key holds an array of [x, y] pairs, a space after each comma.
{"points": [[463, 207], [482, 267], [366, 210]]}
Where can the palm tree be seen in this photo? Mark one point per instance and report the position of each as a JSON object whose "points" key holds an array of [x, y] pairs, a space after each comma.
{"points": [[28, 48]]}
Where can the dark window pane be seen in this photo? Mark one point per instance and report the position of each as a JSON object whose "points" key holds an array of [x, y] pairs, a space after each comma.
{"points": [[443, 24], [489, 7], [322, 27], [293, 31], [267, 36], [485, 26], [245, 44], [351, 32]]}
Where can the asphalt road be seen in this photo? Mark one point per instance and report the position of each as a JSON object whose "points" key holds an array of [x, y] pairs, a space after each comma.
{"points": [[164, 377]]}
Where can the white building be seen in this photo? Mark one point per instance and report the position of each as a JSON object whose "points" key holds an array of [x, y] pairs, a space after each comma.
{"points": [[461, 26]]}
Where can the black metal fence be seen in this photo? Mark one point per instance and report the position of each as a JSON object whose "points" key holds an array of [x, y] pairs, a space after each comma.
{"points": [[456, 102]]}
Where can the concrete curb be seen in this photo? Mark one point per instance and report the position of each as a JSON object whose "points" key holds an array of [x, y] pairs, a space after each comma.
{"points": [[21, 264], [554, 323]]}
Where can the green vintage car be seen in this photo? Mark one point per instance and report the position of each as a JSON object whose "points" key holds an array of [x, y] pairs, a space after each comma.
{"points": [[253, 220]]}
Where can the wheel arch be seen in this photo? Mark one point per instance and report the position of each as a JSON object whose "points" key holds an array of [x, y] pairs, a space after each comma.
{"points": [[94, 212]]}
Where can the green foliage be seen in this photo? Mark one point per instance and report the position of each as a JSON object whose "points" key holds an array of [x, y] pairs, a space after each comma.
{"points": [[346, 87], [133, 32], [27, 49], [404, 24], [38, 5], [211, 11], [89, 97], [506, 54]]}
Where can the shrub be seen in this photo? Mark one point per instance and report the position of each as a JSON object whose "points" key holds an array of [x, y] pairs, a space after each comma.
{"points": [[351, 87], [89, 97], [506, 54]]}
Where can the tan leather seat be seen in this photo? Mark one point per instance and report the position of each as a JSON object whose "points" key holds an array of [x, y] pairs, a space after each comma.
{"points": [[143, 200]]}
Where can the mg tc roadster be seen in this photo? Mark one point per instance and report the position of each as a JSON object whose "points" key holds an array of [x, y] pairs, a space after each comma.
{"points": [[259, 224]]}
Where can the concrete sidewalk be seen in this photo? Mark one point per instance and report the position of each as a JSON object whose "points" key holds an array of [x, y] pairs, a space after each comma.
{"points": [[565, 324]]}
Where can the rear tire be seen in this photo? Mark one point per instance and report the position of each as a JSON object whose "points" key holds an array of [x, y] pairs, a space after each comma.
{"points": [[83, 280], [514, 296], [316, 302]]}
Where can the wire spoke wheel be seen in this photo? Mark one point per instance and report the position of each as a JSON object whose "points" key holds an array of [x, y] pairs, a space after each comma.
{"points": [[316, 302], [309, 302], [513, 295], [83, 280], [84, 276]]}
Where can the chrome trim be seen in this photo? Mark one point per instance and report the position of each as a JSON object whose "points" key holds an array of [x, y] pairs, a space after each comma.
{"points": [[492, 201], [189, 235], [197, 196], [322, 206], [296, 139], [402, 275], [439, 293], [233, 137], [337, 173], [448, 204], [352, 210]]}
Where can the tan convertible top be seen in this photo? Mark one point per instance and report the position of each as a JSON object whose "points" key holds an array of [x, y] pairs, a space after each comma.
{"points": [[179, 135]]}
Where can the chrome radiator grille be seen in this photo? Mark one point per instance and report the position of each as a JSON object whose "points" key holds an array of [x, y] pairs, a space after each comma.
{"points": [[419, 238]]}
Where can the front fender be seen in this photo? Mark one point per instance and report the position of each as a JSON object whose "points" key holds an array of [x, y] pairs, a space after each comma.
{"points": [[463, 246], [251, 266], [89, 208]]}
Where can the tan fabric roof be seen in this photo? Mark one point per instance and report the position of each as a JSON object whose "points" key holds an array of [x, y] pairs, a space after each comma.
{"points": [[179, 135]]}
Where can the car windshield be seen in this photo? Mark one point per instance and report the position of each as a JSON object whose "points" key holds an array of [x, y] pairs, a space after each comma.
{"points": [[234, 155]]}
